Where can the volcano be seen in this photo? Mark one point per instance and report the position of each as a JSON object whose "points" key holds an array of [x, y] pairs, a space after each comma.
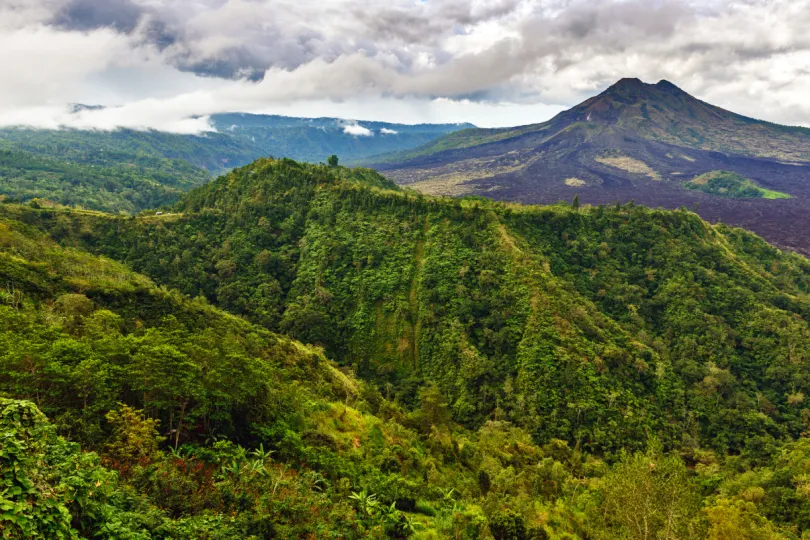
{"points": [[654, 144]]}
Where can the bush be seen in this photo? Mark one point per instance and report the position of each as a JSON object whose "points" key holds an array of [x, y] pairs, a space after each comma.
{"points": [[508, 525]]}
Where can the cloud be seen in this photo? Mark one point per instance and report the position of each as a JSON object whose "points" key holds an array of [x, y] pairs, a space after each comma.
{"points": [[386, 131], [121, 15], [357, 130], [159, 63]]}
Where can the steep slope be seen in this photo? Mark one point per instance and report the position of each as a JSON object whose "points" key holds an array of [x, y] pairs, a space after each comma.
{"points": [[165, 390], [591, 326], [560, 337], [634, 141]]}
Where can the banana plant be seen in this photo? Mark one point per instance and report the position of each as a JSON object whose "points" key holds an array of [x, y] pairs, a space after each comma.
{"points": [[367, 504]]}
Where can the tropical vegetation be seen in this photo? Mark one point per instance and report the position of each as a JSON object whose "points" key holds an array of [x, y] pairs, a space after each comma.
{"points": [[309, 351]]}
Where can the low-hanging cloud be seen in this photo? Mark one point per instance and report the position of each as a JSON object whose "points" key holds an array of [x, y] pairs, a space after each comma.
{"points": [[357, 130], [168, 64]]}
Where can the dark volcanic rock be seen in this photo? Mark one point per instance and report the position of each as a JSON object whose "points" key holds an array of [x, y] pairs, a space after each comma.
{"points": [[634, 141]]}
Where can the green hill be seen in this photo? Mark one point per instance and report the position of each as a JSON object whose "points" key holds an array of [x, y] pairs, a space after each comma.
{"points": [[110, 188], [501, 371], [472, 294], [117, 171]]}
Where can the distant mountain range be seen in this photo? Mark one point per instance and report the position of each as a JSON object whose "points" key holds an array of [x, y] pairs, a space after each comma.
{"points": [[652, 143], [314, 139], [127, 170]]}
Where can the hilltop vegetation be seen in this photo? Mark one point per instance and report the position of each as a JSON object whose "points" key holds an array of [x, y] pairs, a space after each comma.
{"points": [[472, 369]]}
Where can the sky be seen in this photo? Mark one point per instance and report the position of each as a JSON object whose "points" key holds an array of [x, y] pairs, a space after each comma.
{"points": [[169, 64]]}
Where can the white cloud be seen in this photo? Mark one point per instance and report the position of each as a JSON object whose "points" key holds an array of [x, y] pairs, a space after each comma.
{"points": [[386, 131], [168, 64], [357, 130]]}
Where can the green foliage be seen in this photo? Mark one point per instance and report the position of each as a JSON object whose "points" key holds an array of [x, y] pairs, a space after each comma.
{"points": [[730, 184], [28, 506], [507, 526], [650, 495], [591, 326], [499, 368], [95, 185], [332, 161], [134, 438]]}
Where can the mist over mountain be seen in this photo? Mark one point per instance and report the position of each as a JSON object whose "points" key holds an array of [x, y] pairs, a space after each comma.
{"points": [[634, 141]]}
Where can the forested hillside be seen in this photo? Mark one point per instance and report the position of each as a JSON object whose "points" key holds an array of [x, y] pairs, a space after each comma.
{"points": [[129, 171], [312, 139], [504, 371], [118, 171], [623, 311], [109, 188]]}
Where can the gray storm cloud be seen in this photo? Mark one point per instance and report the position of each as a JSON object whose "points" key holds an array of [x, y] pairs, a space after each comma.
{"points": [[168, 63]]}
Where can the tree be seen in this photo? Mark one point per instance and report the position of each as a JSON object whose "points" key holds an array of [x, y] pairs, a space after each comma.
{"points": [[650, 495], [738, 520], [433, 408], [169, 382], [333, 160], [134, 437], [74, 307], [507, 525]]}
